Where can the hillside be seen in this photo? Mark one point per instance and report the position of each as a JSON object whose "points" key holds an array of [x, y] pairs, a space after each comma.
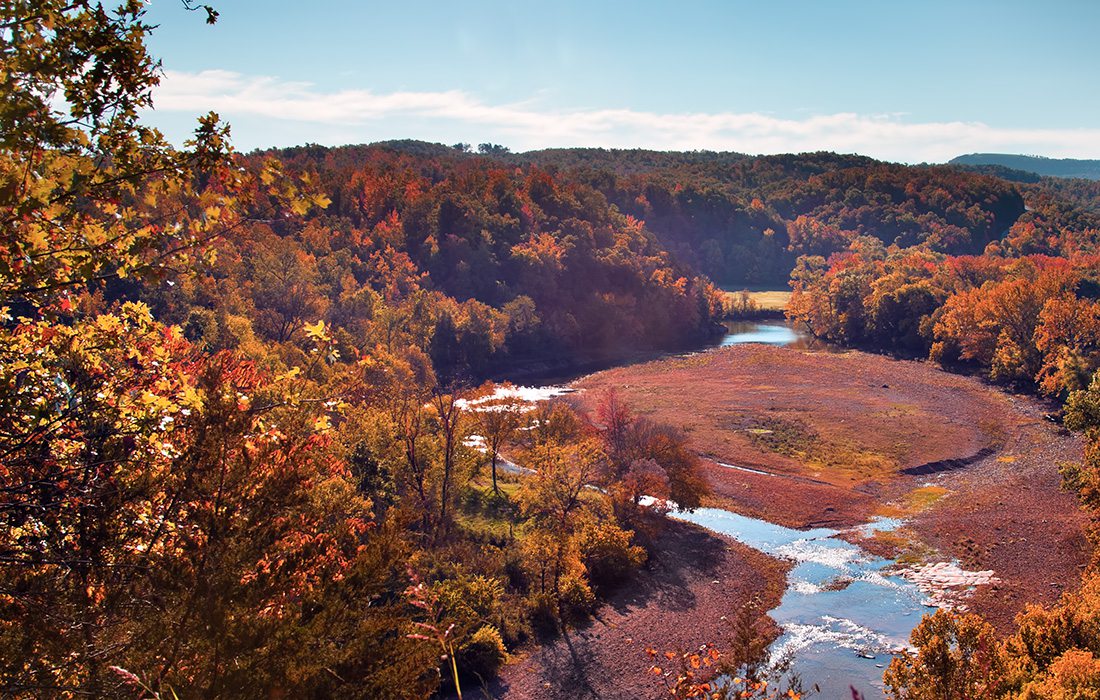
{"points": [[1052, 167]]}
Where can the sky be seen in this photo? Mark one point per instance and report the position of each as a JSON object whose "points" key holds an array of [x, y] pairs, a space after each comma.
{"points": [[909, 81]]}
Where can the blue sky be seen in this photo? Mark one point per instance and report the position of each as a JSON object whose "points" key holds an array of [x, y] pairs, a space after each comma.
{"points": [[906, 81]]}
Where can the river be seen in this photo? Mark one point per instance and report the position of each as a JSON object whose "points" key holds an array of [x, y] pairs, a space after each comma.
{"points": [[769, 333], [843, 613]]}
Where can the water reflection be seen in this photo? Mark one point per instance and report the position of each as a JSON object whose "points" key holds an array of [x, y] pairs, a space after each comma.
{"points": [[780, 333]]}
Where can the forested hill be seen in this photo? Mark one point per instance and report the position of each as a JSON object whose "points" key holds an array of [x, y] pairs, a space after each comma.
{"points": [[1052, 167], [745, 220], [496, 259], [741, 220]]}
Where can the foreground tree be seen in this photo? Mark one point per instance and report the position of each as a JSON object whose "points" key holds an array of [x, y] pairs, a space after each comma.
{"points": [[168, 517], [958, 656], [497, 420]]}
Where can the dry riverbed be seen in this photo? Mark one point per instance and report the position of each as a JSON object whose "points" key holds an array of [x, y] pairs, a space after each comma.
{"points": [[833, 439]]}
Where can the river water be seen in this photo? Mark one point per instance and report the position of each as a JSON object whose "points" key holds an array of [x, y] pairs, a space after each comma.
{"points": [[844, 613], [770, 333]]}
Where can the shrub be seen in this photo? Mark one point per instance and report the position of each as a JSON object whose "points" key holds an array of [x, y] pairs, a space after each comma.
{"points": [[607, 553], [482, 655], [470, 599], [577, 599], [544, 613]]}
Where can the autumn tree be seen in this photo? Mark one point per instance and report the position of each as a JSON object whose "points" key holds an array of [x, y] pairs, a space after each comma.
{"points": [[553, 497], [1068, 340], [497, 420], [994, 325], [957, 656], [400, 386], [184, 517], [285, 289], [448, 412], [646, 458]]}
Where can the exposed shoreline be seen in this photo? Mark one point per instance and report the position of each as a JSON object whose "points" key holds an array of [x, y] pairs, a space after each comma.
{"points": [[999, 479]]}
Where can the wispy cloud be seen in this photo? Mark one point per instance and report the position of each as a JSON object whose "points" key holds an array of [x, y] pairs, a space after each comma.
{"points": [[524, 126]]}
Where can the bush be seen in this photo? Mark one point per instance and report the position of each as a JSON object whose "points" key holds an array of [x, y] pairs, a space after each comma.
{"points": [[516, 574], [577, 599], [482, 655], [544, 613], [607, 553], [470, 598]]}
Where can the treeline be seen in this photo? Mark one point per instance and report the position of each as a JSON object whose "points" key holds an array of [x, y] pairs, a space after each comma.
{"points": [[1031, 320], [489, 266], [745, 220]]}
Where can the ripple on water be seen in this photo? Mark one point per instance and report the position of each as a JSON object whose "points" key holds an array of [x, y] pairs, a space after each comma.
{"points": [[826, 553], [836, 632], [802, 586]]}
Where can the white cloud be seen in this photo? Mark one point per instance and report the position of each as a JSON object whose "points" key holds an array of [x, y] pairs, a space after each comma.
{"points": [[523, 126]]}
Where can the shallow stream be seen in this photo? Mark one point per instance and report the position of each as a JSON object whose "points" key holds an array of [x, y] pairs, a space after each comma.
{"points": [[843, 614]]}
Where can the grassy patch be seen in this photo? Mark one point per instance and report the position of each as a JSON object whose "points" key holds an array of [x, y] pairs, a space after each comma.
{"points": [[771, 300], [914, 502], [764, 299], [900, 545], [787, 437], [924, 498], [796, 439], [485, 515], [745, 304]]}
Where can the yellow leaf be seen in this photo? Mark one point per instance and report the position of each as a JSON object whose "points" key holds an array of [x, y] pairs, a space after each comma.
{"points": [[290, 374], [36, 238], [299, 206], [191, 398], [317, 330], [268, 174]]}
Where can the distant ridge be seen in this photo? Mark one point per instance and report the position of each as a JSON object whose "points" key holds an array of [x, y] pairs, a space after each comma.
{"points": [[1053, 167]]}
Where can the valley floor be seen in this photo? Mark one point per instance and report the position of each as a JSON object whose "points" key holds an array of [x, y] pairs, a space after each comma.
{"points": [[823, 439], [842, 437]]}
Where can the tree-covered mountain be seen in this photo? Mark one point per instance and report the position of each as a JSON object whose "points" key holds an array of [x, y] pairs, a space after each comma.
{"points": [[1052, 167]]}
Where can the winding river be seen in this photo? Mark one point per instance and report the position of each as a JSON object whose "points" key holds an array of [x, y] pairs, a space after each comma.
{"points": [[844, 613]]}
